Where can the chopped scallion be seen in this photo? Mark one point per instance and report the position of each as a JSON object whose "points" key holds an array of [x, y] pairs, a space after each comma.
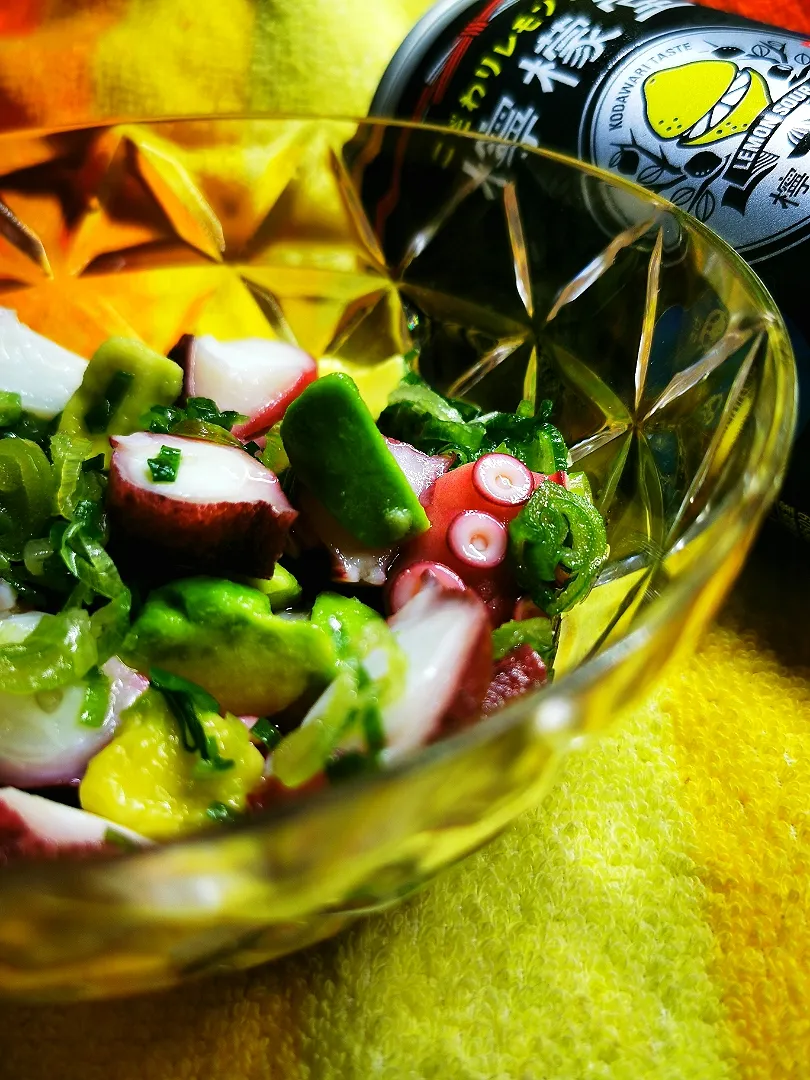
{"points": [[266, 732], [186, 700], [164, 467], [218, 811], [117, 839], [163, 419], [200, 408], [347, 766], [94, 464]]}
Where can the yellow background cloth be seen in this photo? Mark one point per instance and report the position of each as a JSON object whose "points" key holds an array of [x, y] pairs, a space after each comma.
{"points": [[650, 920]]}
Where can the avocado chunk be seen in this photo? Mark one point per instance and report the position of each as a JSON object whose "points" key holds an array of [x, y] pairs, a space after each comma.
{"points": [[372, 673], [335, 449], [122, 381], [224, 637], [359, 633], [281, 589]]}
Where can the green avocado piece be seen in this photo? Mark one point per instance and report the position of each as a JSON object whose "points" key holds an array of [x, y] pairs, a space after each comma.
{"points": [[357, 632], [372, 674], [224, 637], [122, 381], [281, 589], [335, 449]]}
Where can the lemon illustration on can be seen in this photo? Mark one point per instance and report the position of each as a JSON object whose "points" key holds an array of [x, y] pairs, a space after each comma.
{"points": [[705, 101]]}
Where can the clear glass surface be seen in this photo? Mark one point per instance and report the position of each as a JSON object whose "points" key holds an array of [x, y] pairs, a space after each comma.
{"points": [[512, 273]]}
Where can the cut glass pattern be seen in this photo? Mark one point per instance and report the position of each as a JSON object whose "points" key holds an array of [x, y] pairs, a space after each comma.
{"points": [[362, 244]]}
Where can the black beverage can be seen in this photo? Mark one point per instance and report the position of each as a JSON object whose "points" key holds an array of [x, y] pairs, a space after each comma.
{"points": [[705, 108]]}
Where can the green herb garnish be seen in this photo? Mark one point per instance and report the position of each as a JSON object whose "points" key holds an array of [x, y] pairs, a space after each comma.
{"points": [[218, 811], [114, 837], [163, 419], [266, 732], [348, 766], [35, 428], [373, 728], [186, 701], [164, 467], [416, 414], [94, 464]]}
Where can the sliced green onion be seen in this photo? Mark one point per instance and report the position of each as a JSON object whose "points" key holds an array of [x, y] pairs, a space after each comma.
{"points": [[161, 418], [348, 766], [200, 408], [164, 467], [266, 732], [218, 811], [166, 419], [186, 700], [36, 428]]}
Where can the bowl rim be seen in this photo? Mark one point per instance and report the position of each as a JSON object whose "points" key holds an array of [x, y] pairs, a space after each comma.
{"points": [[754, 492]]}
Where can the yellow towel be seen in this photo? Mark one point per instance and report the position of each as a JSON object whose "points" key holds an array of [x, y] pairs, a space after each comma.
{"points": [[650, 919]]}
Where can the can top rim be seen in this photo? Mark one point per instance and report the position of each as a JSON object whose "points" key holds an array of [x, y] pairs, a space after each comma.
{"points": [[412, 51]]}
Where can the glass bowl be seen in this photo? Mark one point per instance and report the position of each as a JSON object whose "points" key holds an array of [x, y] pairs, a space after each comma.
{"points": [[510, 273]]}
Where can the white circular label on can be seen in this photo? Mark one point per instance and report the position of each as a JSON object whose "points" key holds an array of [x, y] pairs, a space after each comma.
{"points": [[717, 120]]}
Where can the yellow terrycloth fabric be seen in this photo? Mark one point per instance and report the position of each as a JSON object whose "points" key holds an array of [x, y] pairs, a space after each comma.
{"points": [[66, 62], [650, 920]]}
